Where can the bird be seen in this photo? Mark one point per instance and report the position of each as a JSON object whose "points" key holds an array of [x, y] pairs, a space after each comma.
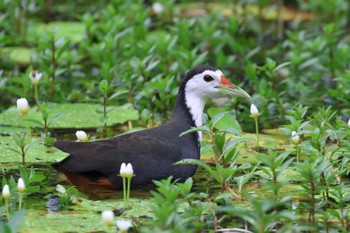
{"points": [[152, 152]]}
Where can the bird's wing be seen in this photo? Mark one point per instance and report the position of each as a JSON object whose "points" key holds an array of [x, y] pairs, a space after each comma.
{"points": [[144, 153]]}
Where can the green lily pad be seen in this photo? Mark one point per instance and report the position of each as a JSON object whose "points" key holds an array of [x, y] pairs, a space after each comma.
{"points": [[20, 55], [288, 175], [7, 130], [268, 141], [37, 153], [87, 216], [74, 116], [73, 31]]}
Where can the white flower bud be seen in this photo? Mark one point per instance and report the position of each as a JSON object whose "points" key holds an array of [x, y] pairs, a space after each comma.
{"points": [[108, 217], [6, 191], [295, 138], [123, 225], [157, 7], [284, 73], [22, 105], [20, 185], [126, 170], [35, 77], [82, 136], [254, 112]]}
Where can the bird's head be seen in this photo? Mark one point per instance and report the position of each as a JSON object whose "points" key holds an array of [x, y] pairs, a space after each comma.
{"points": [[206, 81]]}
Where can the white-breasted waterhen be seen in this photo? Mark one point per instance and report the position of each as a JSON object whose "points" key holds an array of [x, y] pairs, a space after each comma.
{"points": [[151, 152]]}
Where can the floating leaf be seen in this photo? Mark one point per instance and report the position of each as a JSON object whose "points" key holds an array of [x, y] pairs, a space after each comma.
{"points": [[19, 55], [73, 31], [75, 116], [38, 152]]}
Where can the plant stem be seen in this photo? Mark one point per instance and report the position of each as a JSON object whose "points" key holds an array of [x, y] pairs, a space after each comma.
{"points": [[36, 96], [105, 116], [53, 63], [312, 201], [298, 153], [280, 25], [7, 210], [124, 192], [128, 191], [23, 156], [46, 128], [20, 201], [257, 133]]}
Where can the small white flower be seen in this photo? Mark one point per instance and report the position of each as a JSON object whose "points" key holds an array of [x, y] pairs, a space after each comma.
{"points": [[349, 122], [126, 170], [122, 168], [284, 73], [20, 185], [35, 77], [22, 105], [157, 7], [295, 138], [108, 217], [61, 189], [82, 136], [295, 204], [254, 112], [6, 191], [123, 225]]}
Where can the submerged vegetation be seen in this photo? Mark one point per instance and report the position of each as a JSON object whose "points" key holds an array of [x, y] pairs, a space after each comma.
{"points": [[99, 68]]}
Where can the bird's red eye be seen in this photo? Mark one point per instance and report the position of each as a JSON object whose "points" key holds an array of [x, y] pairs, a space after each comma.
{"points": [[208, 78]]}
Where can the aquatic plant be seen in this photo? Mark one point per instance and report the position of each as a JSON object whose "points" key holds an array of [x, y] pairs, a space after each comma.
{"points": [[254, 113], [123, 225], [24, 141], [35, 77], [23, 106], [21, 188], [103, 86], [6, 196], [126, 172], [295, 139], [108, 217], [82, 136]]}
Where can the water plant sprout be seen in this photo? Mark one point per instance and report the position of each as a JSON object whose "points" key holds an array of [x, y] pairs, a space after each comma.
{"points": [[254, 113], [108, 217], [126, 172], [295, 139], [103, 86], [23, 106], [35, 77], [6, 196], [24, 142], [21, 188]]}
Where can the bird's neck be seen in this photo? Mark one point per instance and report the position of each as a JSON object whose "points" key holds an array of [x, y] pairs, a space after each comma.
{"points": [[195, 105], [190, 106]]}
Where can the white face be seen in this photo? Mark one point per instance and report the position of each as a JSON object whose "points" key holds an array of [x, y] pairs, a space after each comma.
{"points": [[198, 89], [205, 84]]}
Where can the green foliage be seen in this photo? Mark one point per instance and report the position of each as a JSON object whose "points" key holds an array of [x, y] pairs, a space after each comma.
{"points": [[70, 116], [134, 56], [14, 223], [67, 197]]}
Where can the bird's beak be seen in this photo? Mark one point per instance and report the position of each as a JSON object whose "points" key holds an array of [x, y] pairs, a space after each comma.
{"points": [[231, 89]]}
